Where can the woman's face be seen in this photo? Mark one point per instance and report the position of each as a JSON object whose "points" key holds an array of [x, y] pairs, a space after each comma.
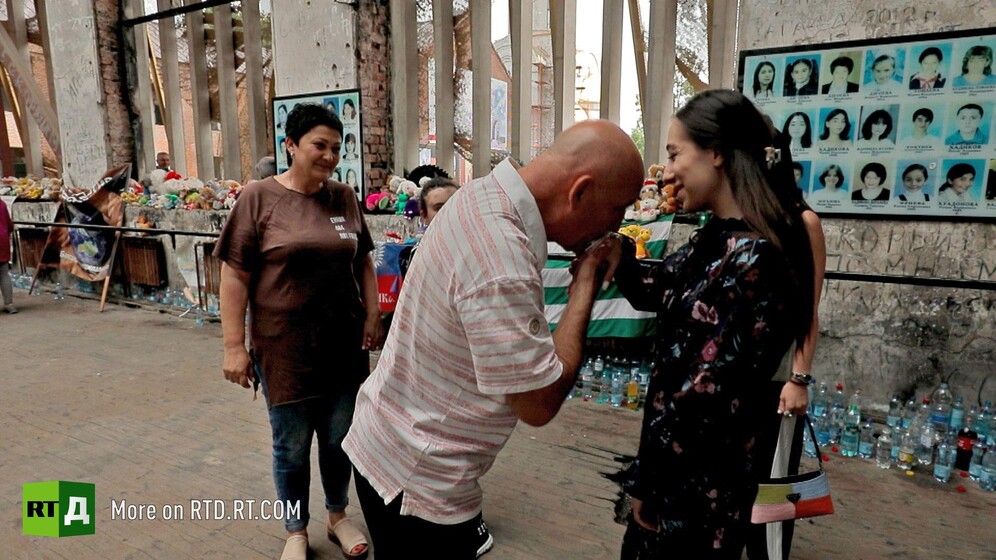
{"points": [[920, 124], [832, 179], [836, 124], [697, 173], [929, 65], [878, 129], [351, 146], [351, 178], [872, 180], [797, 127], [765, 75], [317, 154], [883, 71], [977, 64], [914, 180], [963, 183], [840, 74], [434, 201], [800, 73]]}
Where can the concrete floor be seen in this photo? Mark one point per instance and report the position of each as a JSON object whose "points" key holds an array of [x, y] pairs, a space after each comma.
{"points": [[134, 401]]}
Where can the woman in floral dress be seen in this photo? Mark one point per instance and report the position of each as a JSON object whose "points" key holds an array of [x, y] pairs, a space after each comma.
{"points": [[729, 305]]}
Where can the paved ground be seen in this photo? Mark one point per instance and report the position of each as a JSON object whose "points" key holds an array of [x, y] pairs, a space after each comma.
{"points": [[134, 401]]}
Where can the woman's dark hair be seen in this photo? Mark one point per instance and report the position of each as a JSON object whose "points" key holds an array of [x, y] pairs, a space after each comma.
{"points": [[350, 137], [842, 61], [876, 116], [978, 50], [431, 185], [882, 58], [931, 51], [808, 63], [957, 170], [807, 137], [303, 118], [844, 134], [925, 112], [916, 167], [876, 168], [757, 74], [352, 106], [729, 124], [837, 171]]}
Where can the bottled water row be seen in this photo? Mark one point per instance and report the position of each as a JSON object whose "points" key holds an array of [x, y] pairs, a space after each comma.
{"points": [[616, 381], [937, 434]]}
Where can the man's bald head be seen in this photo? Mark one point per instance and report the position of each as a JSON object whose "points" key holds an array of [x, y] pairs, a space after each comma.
{"points": [[584, 181]]}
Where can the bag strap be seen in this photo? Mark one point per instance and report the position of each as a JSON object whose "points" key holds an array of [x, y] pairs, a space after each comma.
{"points": [[816, 442]]}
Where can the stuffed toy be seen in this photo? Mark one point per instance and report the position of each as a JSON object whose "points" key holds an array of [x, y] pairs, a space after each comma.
{"points": [[648, 210], [413, 191], [656, 172], [373, 200], [399, 206], [668, 203], [641, 243], [631, 231]]}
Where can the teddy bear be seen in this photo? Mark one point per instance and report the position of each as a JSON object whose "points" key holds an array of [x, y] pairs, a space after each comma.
{"points": [[648, 210], [668, 203]]}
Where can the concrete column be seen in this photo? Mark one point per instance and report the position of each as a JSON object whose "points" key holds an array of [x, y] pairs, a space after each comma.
{"points": [[480, 40], [563, 21], [722, 43], [442, 38], [78, 92], [611, 64], [404, 85], [172, 96], [314, 46], [659, 102], [521, 30], [30, 134]]}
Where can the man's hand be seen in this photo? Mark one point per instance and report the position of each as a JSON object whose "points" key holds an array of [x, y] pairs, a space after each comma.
{"points": [[237, 366]]}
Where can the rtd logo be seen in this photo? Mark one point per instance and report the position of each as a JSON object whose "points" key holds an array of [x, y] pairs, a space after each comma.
{"points": [[57, 508]]}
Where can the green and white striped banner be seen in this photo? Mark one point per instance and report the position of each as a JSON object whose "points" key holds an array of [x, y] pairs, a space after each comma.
{"points": [[612, 315]]}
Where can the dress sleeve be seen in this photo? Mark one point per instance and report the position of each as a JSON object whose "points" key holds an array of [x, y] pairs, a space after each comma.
{"points": [[734, 340]]}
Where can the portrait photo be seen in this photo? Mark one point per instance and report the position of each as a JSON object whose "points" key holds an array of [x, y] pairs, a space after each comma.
{"points": [[916, 180], [840, 73], [973, 65], [878, 125], [332, 104], [884, 70], [961, 180], [922, 124], [798, 127], [831, 181], [763, 78], [802, 75], [873, 180], [836, 126], [929, 67], [969, 123], [802, 170]]}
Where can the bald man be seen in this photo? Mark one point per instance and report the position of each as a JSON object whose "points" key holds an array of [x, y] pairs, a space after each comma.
{"points": [[470, 352]]}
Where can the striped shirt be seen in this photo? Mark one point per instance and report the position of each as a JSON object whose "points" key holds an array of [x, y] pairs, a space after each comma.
{"points": [[468, 330]]}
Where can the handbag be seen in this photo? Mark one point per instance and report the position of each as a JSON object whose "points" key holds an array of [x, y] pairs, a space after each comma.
{"points": [[794, 497]]}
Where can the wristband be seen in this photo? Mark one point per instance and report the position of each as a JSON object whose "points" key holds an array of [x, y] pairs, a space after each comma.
{"points": [[803, 379]]}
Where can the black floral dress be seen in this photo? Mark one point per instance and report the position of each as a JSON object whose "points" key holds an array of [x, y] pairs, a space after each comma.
{"points": [[722, 332]]}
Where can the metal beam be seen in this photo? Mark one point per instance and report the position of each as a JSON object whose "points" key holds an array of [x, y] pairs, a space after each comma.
{"points": [[611, 64], [227, 94], [521, 31], [481, 49], [563, 21], [173, 12], [442, 38]]}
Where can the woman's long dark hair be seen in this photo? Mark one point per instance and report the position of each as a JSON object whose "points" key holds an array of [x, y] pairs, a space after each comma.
{"points": [[807, 138], [844, 134], [757, 79], [727, 122]]}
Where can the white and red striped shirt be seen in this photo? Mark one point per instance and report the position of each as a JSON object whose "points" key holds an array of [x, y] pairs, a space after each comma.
{"points": [[468, 330]]}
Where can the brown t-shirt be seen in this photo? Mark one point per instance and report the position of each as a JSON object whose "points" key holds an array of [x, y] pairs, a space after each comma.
{"points": [[304, 255]]}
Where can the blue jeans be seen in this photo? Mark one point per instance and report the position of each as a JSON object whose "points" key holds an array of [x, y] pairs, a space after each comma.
{"points": [[293, 425]]}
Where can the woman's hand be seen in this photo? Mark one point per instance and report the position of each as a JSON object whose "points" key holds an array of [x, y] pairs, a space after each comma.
{"points": [[599, 261], [638, 516], [237, 366], [794, 399], [373, 332]]}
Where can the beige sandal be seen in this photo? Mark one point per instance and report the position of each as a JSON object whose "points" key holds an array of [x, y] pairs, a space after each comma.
{"points": [[350, 539], [296, 548]]}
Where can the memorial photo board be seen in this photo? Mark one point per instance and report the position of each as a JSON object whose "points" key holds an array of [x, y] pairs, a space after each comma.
{"points": [[346, 105], [902, 126]]}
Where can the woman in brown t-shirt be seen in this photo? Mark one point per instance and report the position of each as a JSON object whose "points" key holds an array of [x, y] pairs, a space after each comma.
{"points": [[296, 250]]}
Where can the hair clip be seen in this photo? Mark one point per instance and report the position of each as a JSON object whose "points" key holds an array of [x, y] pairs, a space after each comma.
{"points": [[774, 155]]}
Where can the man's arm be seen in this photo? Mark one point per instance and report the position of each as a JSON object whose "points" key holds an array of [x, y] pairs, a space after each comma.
{"points": [[539, 406]]}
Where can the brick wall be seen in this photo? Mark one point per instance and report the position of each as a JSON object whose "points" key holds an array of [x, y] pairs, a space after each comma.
{"points": [[373, 52], [119, 140]]}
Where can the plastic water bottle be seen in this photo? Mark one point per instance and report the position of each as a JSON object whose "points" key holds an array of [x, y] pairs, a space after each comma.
{"points": [[940, 413], [923, 411], [619, 382], [598, 369], [808, 447], [883, 449], [894, 418], [982, 420], [866, 441], [837, 412], [587, 377], [957, 414], [822, 426], [850, 438], [821, 402], [944, 461], [909, 413], [925, 451], [975, 465], [987, 480], [907, 449], [633, 393], [59, 295]]}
